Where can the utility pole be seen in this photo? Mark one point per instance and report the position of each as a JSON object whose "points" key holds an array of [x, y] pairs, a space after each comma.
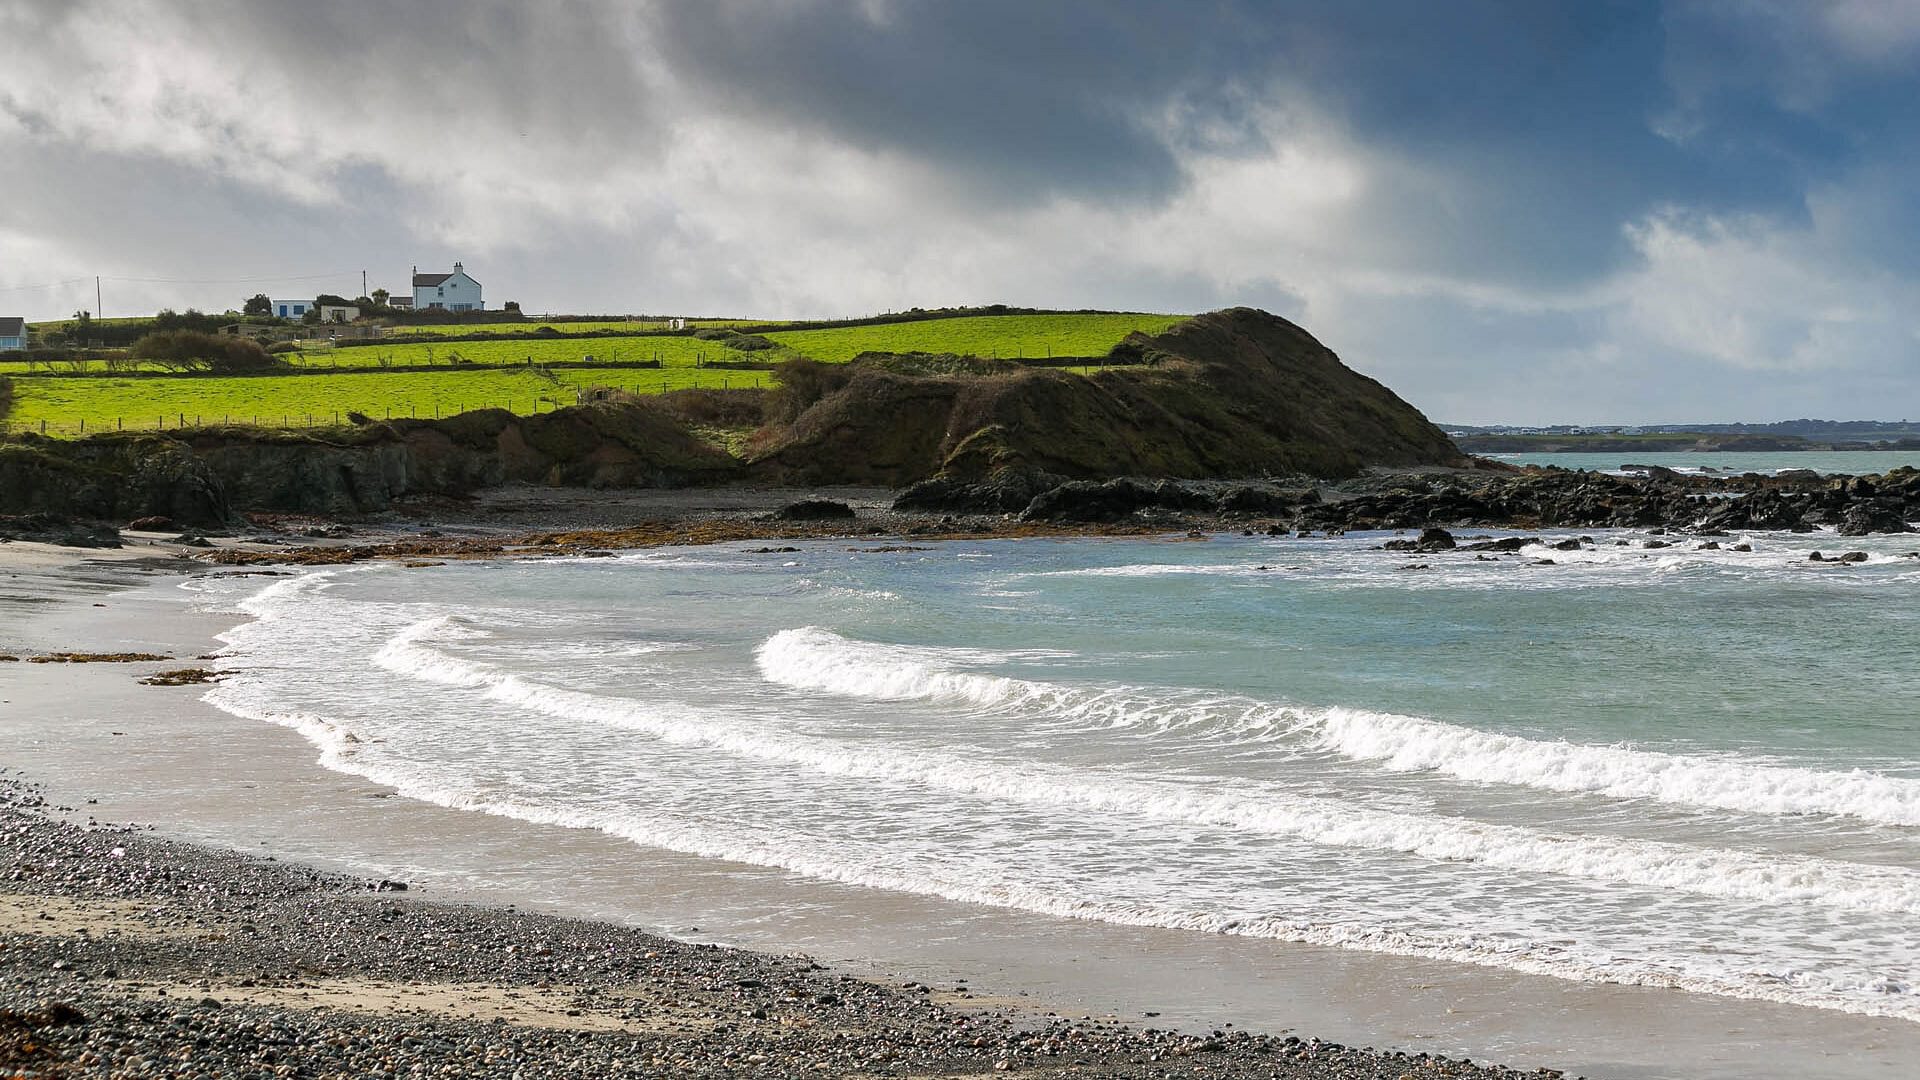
{"points": [[96, 296], [363, 283]]}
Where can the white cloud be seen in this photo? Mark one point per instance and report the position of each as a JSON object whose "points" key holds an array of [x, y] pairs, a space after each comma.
{"points": [[1754, 295]]}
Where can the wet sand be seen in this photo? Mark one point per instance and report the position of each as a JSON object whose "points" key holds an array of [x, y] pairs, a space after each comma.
{"points": [[163, 757]]}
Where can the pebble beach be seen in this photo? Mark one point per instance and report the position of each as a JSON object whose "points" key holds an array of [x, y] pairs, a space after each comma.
{"points": [[123, 953]]}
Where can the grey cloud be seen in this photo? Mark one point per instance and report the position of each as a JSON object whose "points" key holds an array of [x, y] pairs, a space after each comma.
{"points": [[1457, 198]]}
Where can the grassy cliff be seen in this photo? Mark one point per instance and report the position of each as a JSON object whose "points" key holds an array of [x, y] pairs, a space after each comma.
{"points": [[1234, 393]]}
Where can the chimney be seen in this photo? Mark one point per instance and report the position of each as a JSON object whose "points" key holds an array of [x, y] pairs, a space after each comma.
{"points": [[456, 268]]}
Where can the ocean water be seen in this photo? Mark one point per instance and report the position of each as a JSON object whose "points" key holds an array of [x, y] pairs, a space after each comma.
{"points": [[1835, 462], [1671, 768]]}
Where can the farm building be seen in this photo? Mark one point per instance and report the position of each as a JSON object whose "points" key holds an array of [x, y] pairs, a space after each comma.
{"points": [[339, 313], [452, 292], [291, 309], [13, 333]]}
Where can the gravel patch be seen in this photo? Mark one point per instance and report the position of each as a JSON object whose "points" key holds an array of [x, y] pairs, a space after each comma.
{"points": [[124, 954]]}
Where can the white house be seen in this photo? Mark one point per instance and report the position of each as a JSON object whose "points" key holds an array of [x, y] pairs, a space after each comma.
{"points": [[451, 292], [292, 309], [13, 333], [339, 313]]}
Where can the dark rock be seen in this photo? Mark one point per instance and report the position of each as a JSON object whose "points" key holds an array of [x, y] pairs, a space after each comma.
{"points": [[1505, 543], [1874, 516], [1816, 557], [1566, 545], [1853, 557], [1436, 540], [1741, 547], [814, 510], [1111, 500], [1656, 544], [152, 523]]}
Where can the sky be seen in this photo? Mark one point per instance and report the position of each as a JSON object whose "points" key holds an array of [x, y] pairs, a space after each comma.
{"points": [[1519, 212]]}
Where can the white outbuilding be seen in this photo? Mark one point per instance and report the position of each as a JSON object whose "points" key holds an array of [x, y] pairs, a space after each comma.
{"points": [[449, 292]]}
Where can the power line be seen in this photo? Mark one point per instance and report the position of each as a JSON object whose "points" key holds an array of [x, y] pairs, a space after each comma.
{"points": [[48, 285], [232, 281]]}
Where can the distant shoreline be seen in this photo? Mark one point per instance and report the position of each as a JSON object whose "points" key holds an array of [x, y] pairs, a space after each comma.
{"points": [[1666, 444]]}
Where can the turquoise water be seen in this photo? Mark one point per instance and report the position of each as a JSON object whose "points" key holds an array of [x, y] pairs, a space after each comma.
{"points": [[1697, 769], [1852, 462]]}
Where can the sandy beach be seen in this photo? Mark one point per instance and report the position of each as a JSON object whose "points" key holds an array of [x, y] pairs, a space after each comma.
{"points": [[246, 911]]}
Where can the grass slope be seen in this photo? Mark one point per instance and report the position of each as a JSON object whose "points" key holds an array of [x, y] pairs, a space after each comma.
{"points": [[669, 351], [423, 379], [978, 335], [277, 400]]}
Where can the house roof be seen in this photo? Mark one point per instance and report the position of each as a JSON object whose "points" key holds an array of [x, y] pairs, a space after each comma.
{"points": [[13, 326], [429, 279]]}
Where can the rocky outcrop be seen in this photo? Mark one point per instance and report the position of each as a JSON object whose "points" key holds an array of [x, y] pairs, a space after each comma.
{"points": [[1557, 498], [112, 479], [1233, 394], [201, 477]]}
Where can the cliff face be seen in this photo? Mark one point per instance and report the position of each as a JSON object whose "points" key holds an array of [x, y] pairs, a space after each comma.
{"points": [[200, 477], [1235, 393]]}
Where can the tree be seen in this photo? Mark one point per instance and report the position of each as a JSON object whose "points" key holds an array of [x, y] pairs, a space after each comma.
{"points": [[257, 304], [511, 305], [327, 299], [380, 297]]}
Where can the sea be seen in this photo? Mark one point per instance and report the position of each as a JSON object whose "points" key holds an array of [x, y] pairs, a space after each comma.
{"points": [[1673, 767], [1827, 462]]}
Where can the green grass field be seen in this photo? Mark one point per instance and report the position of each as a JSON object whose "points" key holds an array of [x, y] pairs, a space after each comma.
{"points": [[425, 381], [1001, 336], [670, 351], [583, 326], [303, 400]]}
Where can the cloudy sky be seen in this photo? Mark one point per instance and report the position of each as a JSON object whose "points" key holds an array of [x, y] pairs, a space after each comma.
{"points": [[1521, 212]]}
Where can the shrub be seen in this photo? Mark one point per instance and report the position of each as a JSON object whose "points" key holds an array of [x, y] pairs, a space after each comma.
{"points": [[6, 396], [192, 348], [281, 348], [716, 408], [800, 382]]}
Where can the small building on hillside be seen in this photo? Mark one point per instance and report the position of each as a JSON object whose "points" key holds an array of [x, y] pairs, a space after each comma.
{"points": [[339, 313], [449, 292], [13, 333], [399, 302], [292, 309]]}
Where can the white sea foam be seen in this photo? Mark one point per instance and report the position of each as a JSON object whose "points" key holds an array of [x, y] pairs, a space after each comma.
{"points": [[851, 864], [1409, 744], [301, 622], [817, 659], [1255, 808]]}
